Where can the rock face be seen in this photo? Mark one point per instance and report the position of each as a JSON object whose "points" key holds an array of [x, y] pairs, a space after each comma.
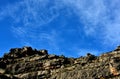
{"points": [[28, 63]]}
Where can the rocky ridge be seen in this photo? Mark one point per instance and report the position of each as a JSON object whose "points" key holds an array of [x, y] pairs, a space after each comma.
{"points": [[28, 63]]}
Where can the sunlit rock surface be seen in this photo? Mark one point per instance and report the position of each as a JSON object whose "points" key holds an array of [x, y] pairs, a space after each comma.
{"points": [[29, 63]]}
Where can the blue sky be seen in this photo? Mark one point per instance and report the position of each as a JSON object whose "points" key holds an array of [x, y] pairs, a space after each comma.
{"points": [[69, 27]]}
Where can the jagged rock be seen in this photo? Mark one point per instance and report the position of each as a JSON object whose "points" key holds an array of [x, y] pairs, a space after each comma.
{"points": [[2, 71], [118, 48], [115, 66], [90, 57], [2, 64], [43, 52], [28, 63], [2, 76]]}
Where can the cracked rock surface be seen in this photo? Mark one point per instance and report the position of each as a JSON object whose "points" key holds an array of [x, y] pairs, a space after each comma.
{"points": [[29, 63]]}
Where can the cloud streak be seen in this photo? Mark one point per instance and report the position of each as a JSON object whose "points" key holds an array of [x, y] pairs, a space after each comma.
{"points": [[28, 16], [99, 16], [30, 20]]}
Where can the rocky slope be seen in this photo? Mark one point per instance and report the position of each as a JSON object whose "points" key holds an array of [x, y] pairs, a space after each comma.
{"points": [[28, 63]]}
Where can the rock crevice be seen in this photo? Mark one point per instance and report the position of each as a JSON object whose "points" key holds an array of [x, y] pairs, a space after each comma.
{"points": [[28, 63]]}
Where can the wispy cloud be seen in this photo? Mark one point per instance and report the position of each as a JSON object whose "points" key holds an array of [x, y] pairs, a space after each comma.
{"points": [[112, 34], [32, 13], [19, 30], [99, 17], [30, 18]]}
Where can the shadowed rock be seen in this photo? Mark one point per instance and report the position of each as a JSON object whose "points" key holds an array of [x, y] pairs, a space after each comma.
{"points": [[118, 48], [28, 63]]}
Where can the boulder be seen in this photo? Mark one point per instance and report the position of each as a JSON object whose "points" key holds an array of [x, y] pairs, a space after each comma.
{"points": [[43, 52], [90, 57]]}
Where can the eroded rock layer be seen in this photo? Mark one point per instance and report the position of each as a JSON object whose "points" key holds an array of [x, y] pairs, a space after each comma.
{"points": [[28, 63]]}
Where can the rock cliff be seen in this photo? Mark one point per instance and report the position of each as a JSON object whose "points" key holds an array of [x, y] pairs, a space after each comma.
{"points": [[28, 63]]}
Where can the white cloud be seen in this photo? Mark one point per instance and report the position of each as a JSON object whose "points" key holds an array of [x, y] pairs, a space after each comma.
{"points": [[18, 30], [112, 34], [30, 12], [100, 19], [29, 17]]}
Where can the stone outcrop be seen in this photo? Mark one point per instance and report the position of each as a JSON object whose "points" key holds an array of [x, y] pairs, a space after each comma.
{"points": [[28, 63]]}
